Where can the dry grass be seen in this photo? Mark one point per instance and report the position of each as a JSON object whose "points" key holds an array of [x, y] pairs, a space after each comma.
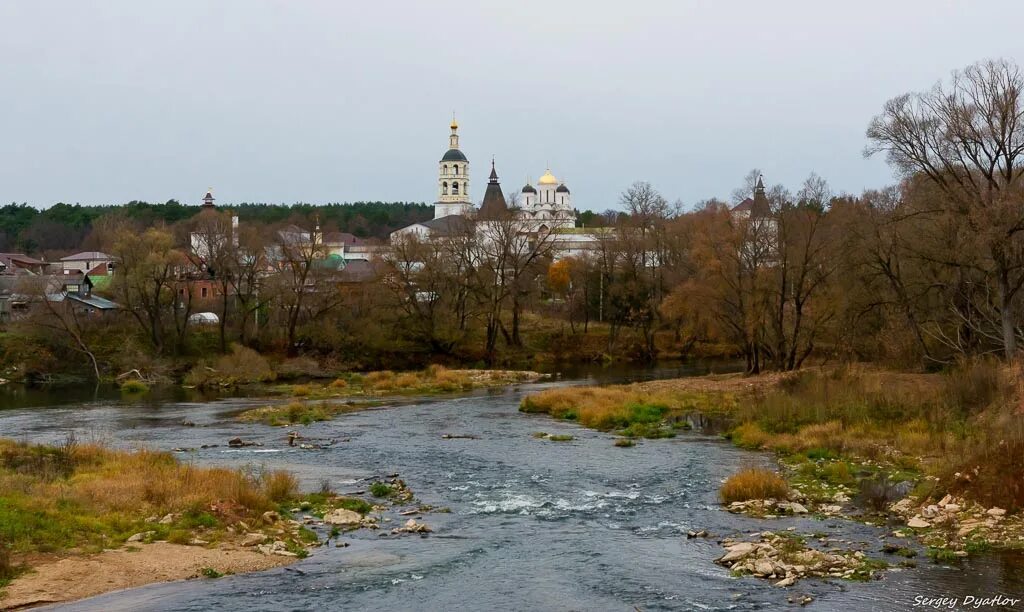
{"points": [[54, 498], [753, 483], [242, 365], [619, 407], [298, 413], [964, 426]]}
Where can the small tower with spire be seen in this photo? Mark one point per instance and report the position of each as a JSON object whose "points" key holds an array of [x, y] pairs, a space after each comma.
{"points": [[208, 199], [453, 179], [493, 205]]}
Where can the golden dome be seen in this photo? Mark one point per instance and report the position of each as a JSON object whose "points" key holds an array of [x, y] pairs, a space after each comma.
{"points": [[455, 124], [547, 179]]}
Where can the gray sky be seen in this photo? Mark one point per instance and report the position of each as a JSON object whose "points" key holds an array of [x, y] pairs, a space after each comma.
{"points": [[109, 101]]}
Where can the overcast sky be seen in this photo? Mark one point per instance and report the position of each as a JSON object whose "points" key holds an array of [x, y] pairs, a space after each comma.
{"points": [[286, 101]]}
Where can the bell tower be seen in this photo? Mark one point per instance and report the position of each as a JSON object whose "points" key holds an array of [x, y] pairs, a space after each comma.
{"points": [[453, 179]]}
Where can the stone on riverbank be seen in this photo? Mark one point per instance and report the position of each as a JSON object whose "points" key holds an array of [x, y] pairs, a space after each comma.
{"points": [[343, 517], [786, 557]]}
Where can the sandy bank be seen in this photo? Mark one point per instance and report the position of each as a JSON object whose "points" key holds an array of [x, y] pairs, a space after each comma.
{"points": [[61, 579]]}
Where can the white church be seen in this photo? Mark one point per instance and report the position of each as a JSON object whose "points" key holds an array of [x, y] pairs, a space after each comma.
{"points": [[548, 206]]}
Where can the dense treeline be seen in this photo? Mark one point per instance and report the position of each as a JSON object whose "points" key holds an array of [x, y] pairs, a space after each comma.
{"points": [[65, 227]]}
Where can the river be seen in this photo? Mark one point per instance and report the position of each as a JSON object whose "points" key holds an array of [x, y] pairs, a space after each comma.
{"points": [[534, 524]]}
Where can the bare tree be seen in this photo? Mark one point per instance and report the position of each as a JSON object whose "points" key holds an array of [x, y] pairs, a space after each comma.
{"points": [[968, 138], [55, 312]]}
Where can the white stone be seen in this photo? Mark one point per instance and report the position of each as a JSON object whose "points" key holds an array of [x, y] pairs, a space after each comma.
{"points": [[918, 523], [252, 539], [995, 511], [341, 516]]}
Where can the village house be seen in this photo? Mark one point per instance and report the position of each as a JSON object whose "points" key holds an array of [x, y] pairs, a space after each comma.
{"points": [[87, 262]]}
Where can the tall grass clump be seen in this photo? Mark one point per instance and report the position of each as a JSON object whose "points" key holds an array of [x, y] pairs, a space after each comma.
{"points": [[88, 497], [753, 483]]}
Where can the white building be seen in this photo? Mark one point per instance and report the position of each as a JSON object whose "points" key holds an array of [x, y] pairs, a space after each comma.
{"points": [[453, 180], [85, 262], [547, 207], [549, 203]]}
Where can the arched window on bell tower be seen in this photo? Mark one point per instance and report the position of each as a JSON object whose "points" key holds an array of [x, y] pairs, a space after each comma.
{"points": [[455, 188], [444, 188]]}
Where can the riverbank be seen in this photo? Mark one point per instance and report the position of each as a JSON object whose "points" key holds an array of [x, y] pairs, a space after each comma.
{"points": [[941, 454], [56, 579], [124, 519]]}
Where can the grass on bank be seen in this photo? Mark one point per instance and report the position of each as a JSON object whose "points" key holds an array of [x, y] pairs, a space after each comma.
{"points": [[963, 426], [300, 413], [84, 498], [629, 410], [434, 379], [753, 483]]}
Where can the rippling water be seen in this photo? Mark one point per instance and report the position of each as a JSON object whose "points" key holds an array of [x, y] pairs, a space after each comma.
{"points": [[534, 524]]}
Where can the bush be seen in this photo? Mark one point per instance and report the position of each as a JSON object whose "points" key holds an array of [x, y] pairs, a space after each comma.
{"points": [[753, 483], [407, 381], [8, 569], [380, 489], [624, 443], [339, 383], [241, 366], [280, 486], [297, 367], [134, 387]]}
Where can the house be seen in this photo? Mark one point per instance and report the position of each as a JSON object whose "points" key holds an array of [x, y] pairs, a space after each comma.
{"points": [[85, 262], [76, 292], [19, 263], [441, 227], [350, 247]]}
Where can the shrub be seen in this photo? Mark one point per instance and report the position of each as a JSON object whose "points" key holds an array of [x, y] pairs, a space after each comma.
{"points": [[372, 378], [209, 572], [301, 390], [8, 569], [407, 381], [624, 443], [974, 385], [298, 366], [837, 473], [243, 364], [560, 437], [380, 489], [134, 387], [753, 483], [339, 383], [280, 486]]}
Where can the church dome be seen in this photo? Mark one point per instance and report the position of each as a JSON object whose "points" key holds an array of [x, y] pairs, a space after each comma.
{"points": [[529, 189], [454, 155], [547, 179], [562, 189]]}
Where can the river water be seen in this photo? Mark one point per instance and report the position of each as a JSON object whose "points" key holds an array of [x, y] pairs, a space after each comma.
{"points": [[534, 524]]}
